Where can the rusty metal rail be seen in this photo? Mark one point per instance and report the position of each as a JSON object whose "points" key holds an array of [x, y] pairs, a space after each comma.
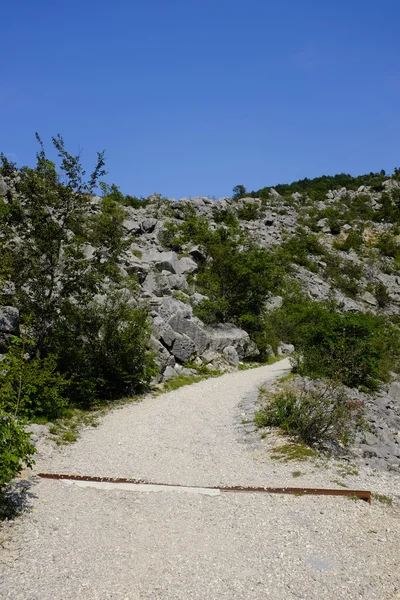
{"points": [[362, 494]]}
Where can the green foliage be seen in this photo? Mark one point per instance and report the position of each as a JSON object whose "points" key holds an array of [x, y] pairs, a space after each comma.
{"points": [[318, 187], [389, 209], [113, 193], [106, 235], [353, 241], [388, 245], [15, 447], [381, 294], [299, 248], [354, 348], [342, 274], [239, 191], [48, 265], [296, 452], [102, 349], [237, 281], [62, 252], [227, 217], [248, 212], [316, 416], [383, 498], [30, 387]]}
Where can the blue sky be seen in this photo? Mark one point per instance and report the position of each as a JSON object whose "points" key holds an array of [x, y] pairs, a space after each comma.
{"points": [[191, 97]]}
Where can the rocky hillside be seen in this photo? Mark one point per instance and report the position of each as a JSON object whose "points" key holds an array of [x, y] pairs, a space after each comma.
{"points": [[352, 258], [310, 269]]}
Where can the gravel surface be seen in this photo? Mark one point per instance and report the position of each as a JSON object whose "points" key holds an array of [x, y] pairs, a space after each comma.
{"points": [[88, 543]]}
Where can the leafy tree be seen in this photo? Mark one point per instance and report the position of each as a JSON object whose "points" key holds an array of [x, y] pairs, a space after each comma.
{"points": [[63, 255], [239, 191], [47, 258]]}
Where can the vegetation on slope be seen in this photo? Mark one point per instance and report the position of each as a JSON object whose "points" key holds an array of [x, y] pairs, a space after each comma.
{"points": [[80, 341]]}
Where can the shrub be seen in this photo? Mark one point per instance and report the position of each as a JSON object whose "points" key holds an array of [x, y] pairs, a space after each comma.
{"points": [[15, 447], [248, 212], [353, 241], [355, 348], [30, 387], [381, 294], [227, 217], [299, 248], [103, 350], [388, 245], [316, 416]]}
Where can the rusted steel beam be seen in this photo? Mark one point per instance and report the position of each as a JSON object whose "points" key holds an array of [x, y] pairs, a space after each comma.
{"points": [[362, 494]]}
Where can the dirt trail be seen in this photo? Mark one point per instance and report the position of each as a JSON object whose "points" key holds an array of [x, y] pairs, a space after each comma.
{"points": [[89, 543]]}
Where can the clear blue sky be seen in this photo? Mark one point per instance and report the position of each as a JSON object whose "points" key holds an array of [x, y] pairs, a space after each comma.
{"points": [[191, 97]]}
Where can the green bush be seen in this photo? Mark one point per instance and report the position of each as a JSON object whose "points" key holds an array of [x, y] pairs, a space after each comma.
{"points": [[355, 348], [103, 351], [15, 447], [353, 241], [299, 248], [227, 217], [388, 245], [381, 294], [30, 387], [248, 212], [237, 280], [316, 416], [79, 350]]}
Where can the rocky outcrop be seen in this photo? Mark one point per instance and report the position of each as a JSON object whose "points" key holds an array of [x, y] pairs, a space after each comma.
{"points": [[166, 278], [186, 338]]}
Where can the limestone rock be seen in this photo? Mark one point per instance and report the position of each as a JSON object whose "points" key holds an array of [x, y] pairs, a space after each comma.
{"points": [[231, 355], [285, 349], [369, 298], [183, 347], [192, 328]]}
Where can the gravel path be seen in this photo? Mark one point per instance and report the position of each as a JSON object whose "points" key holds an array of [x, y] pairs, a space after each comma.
{"points": [[83, 543]]}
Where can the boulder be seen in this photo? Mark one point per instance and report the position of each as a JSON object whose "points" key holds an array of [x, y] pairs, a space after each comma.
{"points": [[178, 282], [231, 355], [132, 226], [3, 187], [148, 225], [226, 334], [163, 332], [285, 349], [323, 225], [369, 299], [163, 357], [169, 261], [169, 373], [157, 283], [209, 356], [394, 390], [192, 328], [196, 299], [273, 303], [197, 253], [169, 306], [137, 268], [183, 347]]}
